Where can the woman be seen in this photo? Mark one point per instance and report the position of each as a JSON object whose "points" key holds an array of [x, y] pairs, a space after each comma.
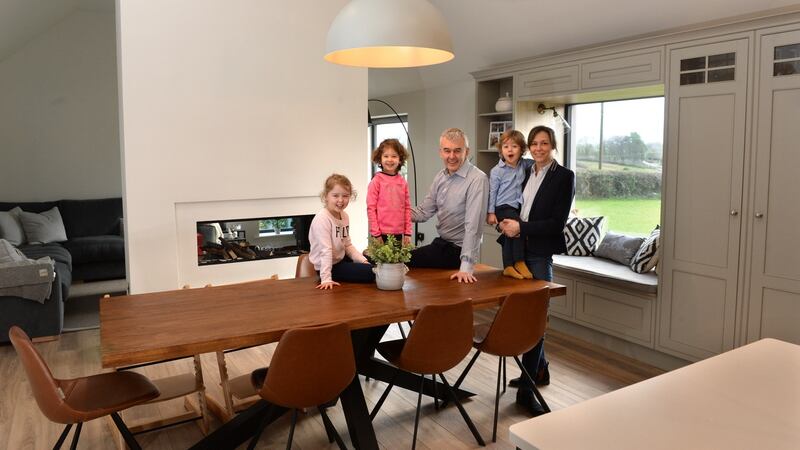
{"points": [[547, 200]]}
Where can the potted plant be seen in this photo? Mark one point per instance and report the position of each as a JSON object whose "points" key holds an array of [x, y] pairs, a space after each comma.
{"points": [[390, 257]]}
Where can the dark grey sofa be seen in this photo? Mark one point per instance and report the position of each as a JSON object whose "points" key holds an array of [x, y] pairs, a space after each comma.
{"points": [[94, 251]]}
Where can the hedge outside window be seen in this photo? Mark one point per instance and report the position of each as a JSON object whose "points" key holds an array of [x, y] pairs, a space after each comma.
{"points": [[615, 149]]}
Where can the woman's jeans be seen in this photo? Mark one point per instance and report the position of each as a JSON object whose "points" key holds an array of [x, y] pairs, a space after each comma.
{"points": [[542, 269]]}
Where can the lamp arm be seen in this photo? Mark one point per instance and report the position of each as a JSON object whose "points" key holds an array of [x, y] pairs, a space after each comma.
{"points": [[410, 149]]}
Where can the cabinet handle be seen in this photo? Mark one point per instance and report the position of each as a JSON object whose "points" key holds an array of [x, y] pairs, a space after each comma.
{"points": [[759, 215], [734, 212]]}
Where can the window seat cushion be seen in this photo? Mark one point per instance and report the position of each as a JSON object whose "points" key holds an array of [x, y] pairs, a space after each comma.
{"points": [[606, 271]]}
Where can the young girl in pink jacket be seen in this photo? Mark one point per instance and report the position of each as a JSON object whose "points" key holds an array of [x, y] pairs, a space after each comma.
{"points": [[388, 201]]}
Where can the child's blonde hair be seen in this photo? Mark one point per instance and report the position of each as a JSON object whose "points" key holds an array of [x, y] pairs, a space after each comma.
{"points": [[392, 143], [332, 181], [515, 137]]}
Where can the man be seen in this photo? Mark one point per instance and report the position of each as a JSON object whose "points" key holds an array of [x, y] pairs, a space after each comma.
{"points": [[458, 197]]}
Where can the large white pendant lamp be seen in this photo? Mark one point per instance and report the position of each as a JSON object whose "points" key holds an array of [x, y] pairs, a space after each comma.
{"points": [[388, 33]]}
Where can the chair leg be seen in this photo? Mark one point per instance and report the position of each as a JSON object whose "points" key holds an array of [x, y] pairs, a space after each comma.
{"points": [[331, 429], [463, 412], [63, 437], [76, 436], [257, 436], [383, 396], [291, 430], [125, 432], [419, 406], [435, 393], [402, 331], [504, 375], [533, 385], [497, 398]]}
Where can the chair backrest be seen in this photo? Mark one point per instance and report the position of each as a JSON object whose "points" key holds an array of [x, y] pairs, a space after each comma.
{"points": [[519, 324], [305, 268], [310, 366], [46, 389], [440, 338]]}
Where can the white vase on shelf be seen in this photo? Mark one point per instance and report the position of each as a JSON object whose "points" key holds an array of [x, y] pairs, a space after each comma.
{"points": [[504, 104]]}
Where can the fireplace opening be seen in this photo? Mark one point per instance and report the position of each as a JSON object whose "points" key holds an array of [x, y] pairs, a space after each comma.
{"points": [[238, 240]]}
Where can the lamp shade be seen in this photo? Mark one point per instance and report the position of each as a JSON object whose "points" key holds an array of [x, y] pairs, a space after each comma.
{"points": [[388, 33]]}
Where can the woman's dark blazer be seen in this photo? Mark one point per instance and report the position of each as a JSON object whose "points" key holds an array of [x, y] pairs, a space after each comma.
{"points": [[544, 231]]}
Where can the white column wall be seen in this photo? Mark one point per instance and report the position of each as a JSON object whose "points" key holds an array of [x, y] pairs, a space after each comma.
{"points": [[229, 111], [58, 113]]}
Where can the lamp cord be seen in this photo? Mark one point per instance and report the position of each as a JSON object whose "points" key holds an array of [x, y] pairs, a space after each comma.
{"points": [[411, 150]]}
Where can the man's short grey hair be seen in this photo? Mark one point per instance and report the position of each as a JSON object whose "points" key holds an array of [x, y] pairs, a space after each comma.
{"points": [[454, 134]]}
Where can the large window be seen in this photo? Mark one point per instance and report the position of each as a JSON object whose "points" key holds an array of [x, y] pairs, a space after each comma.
{"points": [[615, 149], [387, 128]]}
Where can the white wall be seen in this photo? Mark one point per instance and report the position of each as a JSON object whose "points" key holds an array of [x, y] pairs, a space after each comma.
{"points": [[430, 112], [58, 113], [228, 111]]}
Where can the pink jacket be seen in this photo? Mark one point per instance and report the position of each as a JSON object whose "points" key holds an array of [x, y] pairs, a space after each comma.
{"points": [[330, 241], [388, 205]]}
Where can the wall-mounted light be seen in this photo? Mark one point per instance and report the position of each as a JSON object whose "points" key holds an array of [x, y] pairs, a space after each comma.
{"points": [[388, 33], [541, 108]]}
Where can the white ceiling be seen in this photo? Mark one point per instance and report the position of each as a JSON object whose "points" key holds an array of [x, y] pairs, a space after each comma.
{"points": [[490, 32], [23, 20]]}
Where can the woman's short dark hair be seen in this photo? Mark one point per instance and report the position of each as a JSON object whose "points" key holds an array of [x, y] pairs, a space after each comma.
{"points": [[538, 129]]}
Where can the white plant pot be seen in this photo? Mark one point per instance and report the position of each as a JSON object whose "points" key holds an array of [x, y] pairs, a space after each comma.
{"points": [[390, 277]]}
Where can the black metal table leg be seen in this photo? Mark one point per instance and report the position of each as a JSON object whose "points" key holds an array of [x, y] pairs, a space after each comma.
{"points": [[241, 427]]}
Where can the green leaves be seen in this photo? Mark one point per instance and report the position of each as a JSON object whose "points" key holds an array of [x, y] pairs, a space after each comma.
{"points": [[389, 252]]}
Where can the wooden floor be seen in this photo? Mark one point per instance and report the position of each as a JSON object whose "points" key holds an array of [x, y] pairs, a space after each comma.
{"points": [[579, 371]]}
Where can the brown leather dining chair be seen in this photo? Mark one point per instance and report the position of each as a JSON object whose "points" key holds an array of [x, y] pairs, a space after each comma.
{"points": [[518, 326], [304, 267], [440, 338], [78, 400], [310, 368]]}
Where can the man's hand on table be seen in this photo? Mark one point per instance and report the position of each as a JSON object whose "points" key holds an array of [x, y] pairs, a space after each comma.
{"points": [[328, 285], [463, 277]]}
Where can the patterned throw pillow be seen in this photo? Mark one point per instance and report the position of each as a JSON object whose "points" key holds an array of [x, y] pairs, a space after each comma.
{"points": [[583, 234], [647, 257]]}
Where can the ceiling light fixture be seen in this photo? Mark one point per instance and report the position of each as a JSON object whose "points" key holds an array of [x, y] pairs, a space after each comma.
{"points": [[388, 34], [541, 109]]}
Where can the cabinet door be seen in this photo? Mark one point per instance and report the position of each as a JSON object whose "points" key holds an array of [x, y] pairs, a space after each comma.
{"points": [[703, 197], [546, 81], [774, 308]]}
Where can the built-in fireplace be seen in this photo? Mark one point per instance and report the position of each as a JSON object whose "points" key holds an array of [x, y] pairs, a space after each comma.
{"points": [[238, 240]]}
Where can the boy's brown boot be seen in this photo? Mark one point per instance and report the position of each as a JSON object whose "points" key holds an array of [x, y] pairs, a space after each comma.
{"points": [[510, 271], [522, 269]]}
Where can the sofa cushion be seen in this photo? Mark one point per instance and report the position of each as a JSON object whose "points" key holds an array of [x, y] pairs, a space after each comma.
{"points": [[618, 247], [44, 227], [96, 249], [11, 226], [608, 272], [55, 251], [96, 217], [98, 271]]}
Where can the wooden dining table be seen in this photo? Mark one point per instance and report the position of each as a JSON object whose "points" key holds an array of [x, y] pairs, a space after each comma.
{"points": [[159, 326]]}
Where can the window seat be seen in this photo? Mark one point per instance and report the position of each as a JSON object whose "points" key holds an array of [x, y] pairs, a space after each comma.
{"points": [[608, 297], [608, 272]]}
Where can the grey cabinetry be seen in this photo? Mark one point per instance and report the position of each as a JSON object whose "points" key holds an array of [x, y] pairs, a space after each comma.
{"points": [[702, 226], [774, 274]]}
